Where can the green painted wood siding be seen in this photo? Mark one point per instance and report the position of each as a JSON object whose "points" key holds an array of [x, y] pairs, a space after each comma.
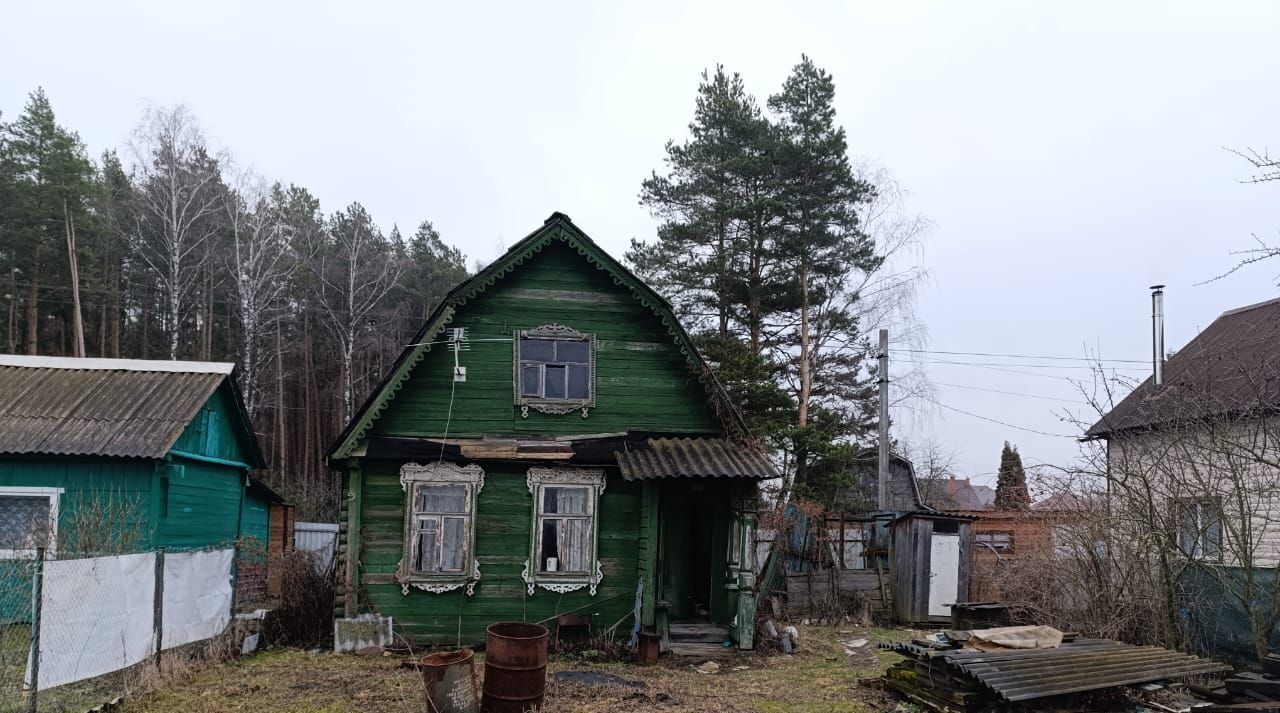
{"points": [[255, 519], [204, 505], [93, 489], [216, 431], [643, 382], [502, 543]]}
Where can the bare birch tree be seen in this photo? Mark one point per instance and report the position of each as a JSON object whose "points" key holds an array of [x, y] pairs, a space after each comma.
{"points": [[356, 268], [260, 261], [179, 199]]}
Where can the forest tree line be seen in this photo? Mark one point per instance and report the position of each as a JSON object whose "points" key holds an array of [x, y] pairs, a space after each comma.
{"points": [[170, 249], [779, 252]]}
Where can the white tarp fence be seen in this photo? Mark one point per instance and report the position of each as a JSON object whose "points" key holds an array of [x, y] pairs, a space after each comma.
{"points": [[197, 596], [97, 616]]}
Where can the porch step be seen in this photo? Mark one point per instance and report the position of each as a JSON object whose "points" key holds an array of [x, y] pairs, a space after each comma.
{"points": [[696, 633], [698, 650]]}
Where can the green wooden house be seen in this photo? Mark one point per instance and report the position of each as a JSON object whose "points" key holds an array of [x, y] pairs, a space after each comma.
{"points": [[551, 443], [112, 455]]}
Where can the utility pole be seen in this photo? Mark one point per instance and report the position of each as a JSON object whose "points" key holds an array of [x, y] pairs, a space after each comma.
{"points": [[884, 419]]}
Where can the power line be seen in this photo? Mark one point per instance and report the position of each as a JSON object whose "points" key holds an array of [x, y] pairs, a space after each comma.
{"points": [[1021, 356], [1001, 423], [1026, 365], [1010, 393]]}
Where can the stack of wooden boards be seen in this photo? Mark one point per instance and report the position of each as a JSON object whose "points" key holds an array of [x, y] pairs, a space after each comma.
{"points": [[946, 676]]}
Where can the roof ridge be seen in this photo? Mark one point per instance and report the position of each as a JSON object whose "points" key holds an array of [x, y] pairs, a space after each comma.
{"points": [[1246, 308], [103, 364]]}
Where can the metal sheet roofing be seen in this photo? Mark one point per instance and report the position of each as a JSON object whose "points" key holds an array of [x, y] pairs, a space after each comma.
{"points": [[109, 407], [1075, 667], [1232, 367], [694, 458]]}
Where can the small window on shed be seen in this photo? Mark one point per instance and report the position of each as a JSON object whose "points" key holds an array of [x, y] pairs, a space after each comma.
{"points": [[555, 370], [28, 520], [999, 541]]}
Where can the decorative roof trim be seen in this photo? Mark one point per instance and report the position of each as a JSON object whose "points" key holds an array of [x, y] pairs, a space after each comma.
{"points": [[558, 227]]}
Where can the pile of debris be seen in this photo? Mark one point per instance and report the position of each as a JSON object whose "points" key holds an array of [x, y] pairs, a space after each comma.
{"points": [[1257, 691], [1034, 667]]}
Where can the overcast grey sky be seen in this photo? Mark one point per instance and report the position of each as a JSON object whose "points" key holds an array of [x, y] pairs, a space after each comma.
{"points": [[1067, 161]]}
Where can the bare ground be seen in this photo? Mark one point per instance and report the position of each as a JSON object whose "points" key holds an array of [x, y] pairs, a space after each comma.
{"points": [[822, 676]]}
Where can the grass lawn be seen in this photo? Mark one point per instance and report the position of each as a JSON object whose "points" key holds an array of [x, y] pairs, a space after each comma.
{"points": [[821, 676]]}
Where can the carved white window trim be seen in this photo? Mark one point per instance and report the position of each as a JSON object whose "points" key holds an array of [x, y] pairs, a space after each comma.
{"points": [[412, 474], [539, 477], [554, 406]]}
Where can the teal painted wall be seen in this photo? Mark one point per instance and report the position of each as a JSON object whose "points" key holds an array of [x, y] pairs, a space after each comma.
{"points": [[216, 430], [502, 542], [643, 382], [255, 518], [204, 505], [113, 497]]}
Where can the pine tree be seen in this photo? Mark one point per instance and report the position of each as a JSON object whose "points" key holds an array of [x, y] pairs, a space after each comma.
{"points": [[1011, 481], [713, 202], [821, 245]]}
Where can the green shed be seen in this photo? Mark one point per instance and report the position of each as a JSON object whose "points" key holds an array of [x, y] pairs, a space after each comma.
{"points": [[120, 455], [551, 444]]}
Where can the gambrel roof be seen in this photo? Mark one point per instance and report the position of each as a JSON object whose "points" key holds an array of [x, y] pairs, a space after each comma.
{"points": [[556, 228]]}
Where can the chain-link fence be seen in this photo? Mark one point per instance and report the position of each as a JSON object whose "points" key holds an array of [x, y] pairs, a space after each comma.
{"points": [[77, 632]]}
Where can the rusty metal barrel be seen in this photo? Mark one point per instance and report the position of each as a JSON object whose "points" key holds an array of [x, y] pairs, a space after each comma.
{"points": [[515, 667], [450, 681]]}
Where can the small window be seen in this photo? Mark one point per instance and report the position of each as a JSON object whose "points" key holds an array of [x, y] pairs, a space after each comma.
{"points": [[563, 551], [1198, 528], [440, 511], [555, 368], [999, 541], [28, 521]]}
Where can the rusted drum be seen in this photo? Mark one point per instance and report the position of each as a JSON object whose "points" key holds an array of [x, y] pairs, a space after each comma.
{"points": [[450, 681], [515, 667], [650, 648]]}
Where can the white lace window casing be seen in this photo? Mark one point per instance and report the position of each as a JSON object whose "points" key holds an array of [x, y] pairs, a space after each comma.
{"points": [[440, 512], [562, 554]]}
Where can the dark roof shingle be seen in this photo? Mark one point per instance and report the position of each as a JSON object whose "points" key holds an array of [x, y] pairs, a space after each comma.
{"points": [[1232, 367]]}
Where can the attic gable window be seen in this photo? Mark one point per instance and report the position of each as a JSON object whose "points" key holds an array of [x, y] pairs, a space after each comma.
{"points": [[555, 370], [562, 551], [28, 520], [439, 529]]}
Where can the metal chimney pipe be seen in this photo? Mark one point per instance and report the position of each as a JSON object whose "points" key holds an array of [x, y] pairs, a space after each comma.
{"points": [[1157, 335]]}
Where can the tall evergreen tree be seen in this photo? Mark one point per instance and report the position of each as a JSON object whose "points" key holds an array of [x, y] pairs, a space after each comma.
{"points": [[53, 185], [821, 245], [434, 268], [713, 203], [1011, 481]]}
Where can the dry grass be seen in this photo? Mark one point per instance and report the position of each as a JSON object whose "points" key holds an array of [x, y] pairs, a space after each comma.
{"points": [[820, 677]]}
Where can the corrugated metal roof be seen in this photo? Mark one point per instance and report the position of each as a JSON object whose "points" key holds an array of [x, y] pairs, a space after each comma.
{"points": [[1075, 667], [1231, 367], [694, 458], [63, 406]]}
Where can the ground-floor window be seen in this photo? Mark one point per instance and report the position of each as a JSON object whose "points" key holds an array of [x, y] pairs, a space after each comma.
{"points": [[562, 554], [1198, 527], [440, 517]]}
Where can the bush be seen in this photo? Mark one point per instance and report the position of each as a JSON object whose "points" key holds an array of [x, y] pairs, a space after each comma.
{"points": [[305, 614]]}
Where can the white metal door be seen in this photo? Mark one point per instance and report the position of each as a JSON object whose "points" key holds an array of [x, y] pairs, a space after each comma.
{"points": [[944, 573]]}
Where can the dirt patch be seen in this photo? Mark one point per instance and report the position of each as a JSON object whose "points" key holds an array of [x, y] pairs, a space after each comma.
{"points": [[820, 677]]}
